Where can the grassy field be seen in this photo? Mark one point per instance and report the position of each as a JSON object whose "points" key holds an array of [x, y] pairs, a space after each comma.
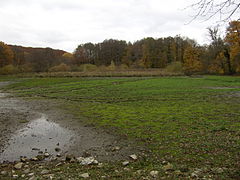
{"points": [[189, 122]]}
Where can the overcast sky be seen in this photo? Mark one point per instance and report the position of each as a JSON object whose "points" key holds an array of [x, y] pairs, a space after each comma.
{"points": [[63, 24]]}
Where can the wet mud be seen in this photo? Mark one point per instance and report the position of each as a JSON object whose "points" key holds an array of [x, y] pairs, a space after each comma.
{"points": [[32, 127]]}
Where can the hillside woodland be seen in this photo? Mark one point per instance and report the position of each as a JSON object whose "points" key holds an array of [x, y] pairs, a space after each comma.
{"points": [[221, 56]]}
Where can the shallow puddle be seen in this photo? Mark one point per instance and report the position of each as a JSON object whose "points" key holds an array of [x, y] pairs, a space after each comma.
{"points": [[2, 95], [38, 135]]}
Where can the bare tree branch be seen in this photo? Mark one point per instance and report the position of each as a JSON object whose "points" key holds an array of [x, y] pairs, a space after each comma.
{"points": [[207, 9]]}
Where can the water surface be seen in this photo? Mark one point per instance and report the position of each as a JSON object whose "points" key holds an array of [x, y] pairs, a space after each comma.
{"points": [[39, 135]]}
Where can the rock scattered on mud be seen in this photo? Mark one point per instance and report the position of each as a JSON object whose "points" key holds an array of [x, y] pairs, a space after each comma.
{"points": [[116, 148], [4, 173], [133, 157], [18, 165], [45, 171], [85, 175], [87, 161], [125, 163], [154, 174]]}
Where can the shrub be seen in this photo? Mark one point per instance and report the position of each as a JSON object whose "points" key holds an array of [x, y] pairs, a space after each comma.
{"points": [[60, 68], [88, 67], [9, 69], [26, 68], [123, 67], [112, 66], [175, 67]]}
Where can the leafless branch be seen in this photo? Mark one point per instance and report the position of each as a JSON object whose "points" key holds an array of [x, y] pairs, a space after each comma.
{"points": [[207, 9]]}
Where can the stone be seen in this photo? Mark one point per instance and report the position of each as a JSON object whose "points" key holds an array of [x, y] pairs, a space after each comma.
{"points": [[88, 161], [49, 176], [4, 173], [116, 148], [59, 155], [133, 157], [23, 159], [100, 165], [168, 167], [69, 157], [84, 175], [26, 171], [164, 162], [154, 173], [32, 178], [95, 162], [80, 159], [125, 163], [45, 171], [18, 165], [59, 164], [15, 176], [46, 154], [34, 159], [30, 174]]}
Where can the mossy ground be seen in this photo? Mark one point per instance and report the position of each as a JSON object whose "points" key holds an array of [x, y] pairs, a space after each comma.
{"points": [[189, 122]]}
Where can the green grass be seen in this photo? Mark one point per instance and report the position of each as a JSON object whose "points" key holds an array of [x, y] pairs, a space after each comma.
{"points": [[180, 119]]}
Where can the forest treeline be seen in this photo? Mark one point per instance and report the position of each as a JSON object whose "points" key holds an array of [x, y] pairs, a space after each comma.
{"points": [[221, 56]]}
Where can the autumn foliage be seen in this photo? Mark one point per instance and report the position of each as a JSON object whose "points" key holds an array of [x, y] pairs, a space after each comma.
{"points": [[173, 54]]}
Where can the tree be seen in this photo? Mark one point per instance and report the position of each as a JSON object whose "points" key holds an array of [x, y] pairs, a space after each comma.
{"points": [[208, 9], [6, 55], [191, 60], [215, 62], [233, 40], [68, 58], [80, 56]]}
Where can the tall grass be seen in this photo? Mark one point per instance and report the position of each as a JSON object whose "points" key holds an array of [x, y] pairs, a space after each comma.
{"points": [[106, 73]]}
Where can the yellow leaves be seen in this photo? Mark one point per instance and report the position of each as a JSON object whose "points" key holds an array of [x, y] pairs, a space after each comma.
{"points": [[233, 40], [192, 63]]}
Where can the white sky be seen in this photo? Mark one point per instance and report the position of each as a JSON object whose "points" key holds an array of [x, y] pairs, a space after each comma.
{"points": [[64, 24]]}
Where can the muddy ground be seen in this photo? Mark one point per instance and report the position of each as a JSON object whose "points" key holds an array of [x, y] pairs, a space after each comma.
{"points": [[30, 127]]}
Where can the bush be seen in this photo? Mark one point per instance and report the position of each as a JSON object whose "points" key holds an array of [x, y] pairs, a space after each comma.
{"points": [[60, 68], [9, 69], [123, 67], [26, 68], [175, 67], [112, 66], [88, 68]]}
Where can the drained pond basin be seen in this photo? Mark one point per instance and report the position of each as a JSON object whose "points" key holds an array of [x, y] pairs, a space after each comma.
{"points": [[39, 135]]}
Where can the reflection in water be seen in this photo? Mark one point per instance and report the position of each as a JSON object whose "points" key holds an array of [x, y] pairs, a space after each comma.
{"points": [[39, 134]]}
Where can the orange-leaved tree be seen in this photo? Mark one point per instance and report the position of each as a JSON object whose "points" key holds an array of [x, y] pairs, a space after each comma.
{"points": [[191, 60], [233, 40]]}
